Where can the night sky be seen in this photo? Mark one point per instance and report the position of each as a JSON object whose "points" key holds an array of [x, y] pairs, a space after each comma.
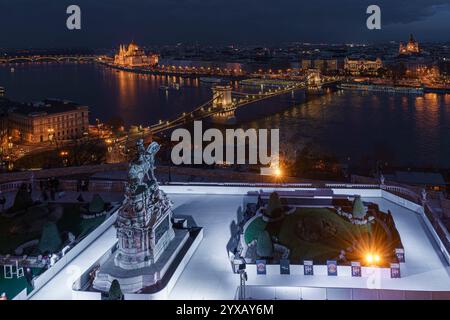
{"points": [[105, 23]]}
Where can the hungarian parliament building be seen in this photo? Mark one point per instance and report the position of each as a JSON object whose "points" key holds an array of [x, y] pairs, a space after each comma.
{"points": [[133, 56]]}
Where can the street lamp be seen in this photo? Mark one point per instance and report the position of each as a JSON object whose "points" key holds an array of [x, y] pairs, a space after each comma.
{"points": [[108, 143], [51, 132], [64, 155], [240, 266]]}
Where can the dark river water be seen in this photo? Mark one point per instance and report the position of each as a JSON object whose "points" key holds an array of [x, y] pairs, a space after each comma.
{"points": [[413, 130]]}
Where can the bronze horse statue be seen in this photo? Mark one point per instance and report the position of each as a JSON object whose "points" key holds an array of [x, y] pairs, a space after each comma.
{"points": [[143, 165]]}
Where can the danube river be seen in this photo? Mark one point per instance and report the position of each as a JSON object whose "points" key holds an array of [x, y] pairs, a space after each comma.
{"points": [[409, 130]]}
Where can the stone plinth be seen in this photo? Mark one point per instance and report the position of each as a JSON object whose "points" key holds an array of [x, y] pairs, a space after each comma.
{"points": [[144, 228], [132, 281]]}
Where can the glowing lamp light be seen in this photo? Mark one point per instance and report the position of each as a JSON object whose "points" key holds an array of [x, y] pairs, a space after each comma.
{"points": [[369, 258], [373, 259], [278, 172]]}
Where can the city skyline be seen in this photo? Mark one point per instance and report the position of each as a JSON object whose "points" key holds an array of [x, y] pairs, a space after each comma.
{"points": [[224, 150], [105, 24]]}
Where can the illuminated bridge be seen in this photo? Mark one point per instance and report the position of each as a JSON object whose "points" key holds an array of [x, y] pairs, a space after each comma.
{"points": [[225, 101], [43, 58]]}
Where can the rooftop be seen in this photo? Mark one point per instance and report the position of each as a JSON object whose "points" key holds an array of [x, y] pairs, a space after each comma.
{"points": [[208, 274], [47, 106]]}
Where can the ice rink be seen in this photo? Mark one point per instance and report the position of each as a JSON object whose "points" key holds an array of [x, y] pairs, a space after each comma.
{"points": [[208, 274]]}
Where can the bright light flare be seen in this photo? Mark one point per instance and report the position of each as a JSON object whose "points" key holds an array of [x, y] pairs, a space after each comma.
{"points": [[278, 172], [373, 258]]}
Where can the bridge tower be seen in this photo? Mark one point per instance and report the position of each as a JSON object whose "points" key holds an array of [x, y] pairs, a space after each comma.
{"points": [[222, 96], [314, 78]]}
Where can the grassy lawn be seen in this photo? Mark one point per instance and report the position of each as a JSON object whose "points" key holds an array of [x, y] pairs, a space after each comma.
{"points": [[71, 221], [320, 250], [14, 286], [26, 230], [88, 225], [253, 230], [9, 242]]}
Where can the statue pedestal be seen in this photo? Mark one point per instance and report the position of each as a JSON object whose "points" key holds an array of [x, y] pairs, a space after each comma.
{"points": [[144, 228], [134, 280]]}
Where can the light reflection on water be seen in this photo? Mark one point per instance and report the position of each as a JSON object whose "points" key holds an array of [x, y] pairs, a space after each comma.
{"points": [[415, 130]]}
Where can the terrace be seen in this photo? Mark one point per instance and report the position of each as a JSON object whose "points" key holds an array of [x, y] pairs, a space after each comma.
{"points": [[426, 269]]}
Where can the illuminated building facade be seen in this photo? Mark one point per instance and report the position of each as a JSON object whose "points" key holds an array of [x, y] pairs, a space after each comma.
{"points": [[412, 47], [201, 66], [51, 120], [134, 56], [3, 132], [362, 66]]}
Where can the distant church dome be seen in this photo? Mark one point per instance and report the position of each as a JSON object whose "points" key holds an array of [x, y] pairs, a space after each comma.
{"points": [[412, 47]]}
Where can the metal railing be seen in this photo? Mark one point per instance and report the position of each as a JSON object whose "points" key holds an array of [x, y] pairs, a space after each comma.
{"points": [[255, 292]]}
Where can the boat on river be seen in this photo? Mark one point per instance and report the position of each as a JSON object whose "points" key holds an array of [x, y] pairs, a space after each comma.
{"points": [[381, 88]]}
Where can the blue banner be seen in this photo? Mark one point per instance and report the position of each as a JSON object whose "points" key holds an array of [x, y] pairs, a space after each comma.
{"points": [[332, 267], [395, 270], [400, 253], [308, 268], [356, 269], [260, 266], [285, 266]]}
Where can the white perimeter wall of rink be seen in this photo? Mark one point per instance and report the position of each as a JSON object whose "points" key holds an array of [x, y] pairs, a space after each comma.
{"points": [[319, 270], [45, 277], [312, 293], [243, 190]]}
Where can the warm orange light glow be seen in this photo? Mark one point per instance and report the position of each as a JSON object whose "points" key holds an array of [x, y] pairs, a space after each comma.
{"points": [[278, 172], [373, 258]]}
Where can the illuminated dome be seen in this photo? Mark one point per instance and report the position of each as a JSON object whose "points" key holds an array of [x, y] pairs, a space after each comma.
{"points": [[133, 56], [411, 47]]}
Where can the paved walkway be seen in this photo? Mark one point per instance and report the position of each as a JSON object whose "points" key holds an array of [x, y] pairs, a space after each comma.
{"points": [[208, 274]]}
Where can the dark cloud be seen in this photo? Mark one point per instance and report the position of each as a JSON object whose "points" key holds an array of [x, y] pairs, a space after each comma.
{"points": [[106, 22]]}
